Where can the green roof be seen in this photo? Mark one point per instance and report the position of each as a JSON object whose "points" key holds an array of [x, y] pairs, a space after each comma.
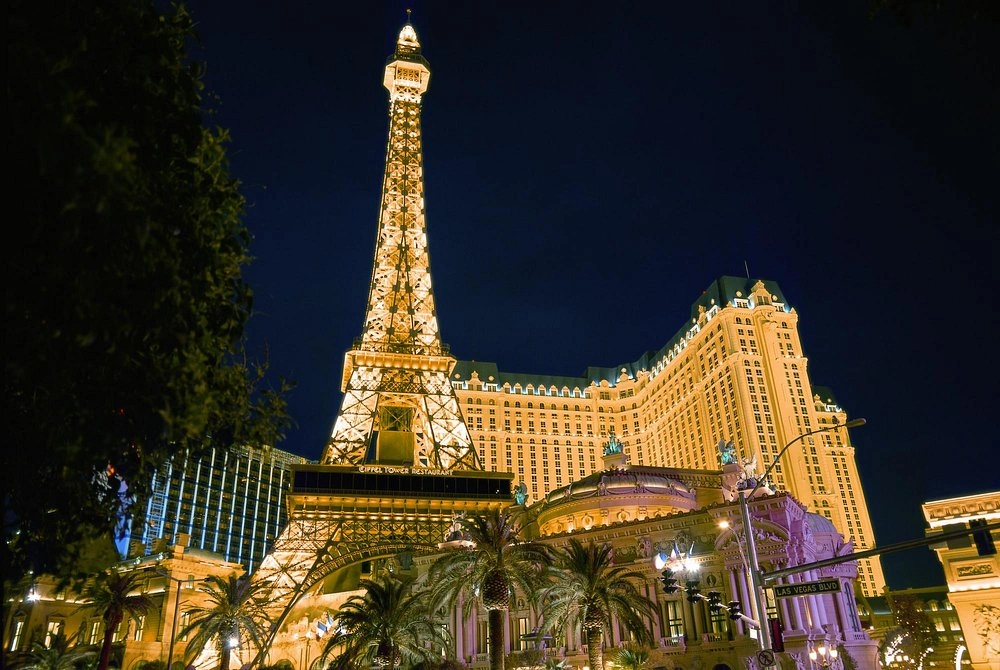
{"points": [[721, 292]]}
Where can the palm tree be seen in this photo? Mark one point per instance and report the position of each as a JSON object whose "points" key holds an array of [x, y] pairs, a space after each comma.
{"points": [[494, 563], [588, 589], [59, 654], [115, 594], [632, 658], [236, 606], [387, 625]]}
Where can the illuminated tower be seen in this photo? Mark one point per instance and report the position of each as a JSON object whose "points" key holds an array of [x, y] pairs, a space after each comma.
{"points": [[399, 465], [398, 405]]}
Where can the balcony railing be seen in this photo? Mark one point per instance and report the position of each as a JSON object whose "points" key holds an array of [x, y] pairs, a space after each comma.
{"points": [[673, 645]]}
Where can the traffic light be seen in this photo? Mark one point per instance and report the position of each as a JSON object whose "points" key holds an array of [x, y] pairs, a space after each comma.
{"points": [[693, 592], [714, 601], [735, 609], [777, 639], [669, 581], [982, 538]]}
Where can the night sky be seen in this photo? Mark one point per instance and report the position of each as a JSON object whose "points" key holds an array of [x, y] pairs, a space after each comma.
{"points": [[591, 169]]}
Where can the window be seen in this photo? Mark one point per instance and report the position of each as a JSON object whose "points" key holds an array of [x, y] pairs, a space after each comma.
{"points": [[16, 631], [140, 625], [55, 627], [482, 637], [675, 618], [718, 621]]}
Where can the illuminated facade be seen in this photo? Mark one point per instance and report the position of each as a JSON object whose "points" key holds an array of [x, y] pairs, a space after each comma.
{"points": [[973, 576], [230, 502], [174, 576], [735, 372], [949, 651]]}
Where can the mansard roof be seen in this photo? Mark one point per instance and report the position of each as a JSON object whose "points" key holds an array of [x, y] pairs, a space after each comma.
{"points": [[721, 292]]}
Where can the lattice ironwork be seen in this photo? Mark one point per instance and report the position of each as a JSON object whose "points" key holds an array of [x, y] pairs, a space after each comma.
{"points": [[400, 352], [397, 395], [335, 527], [309, 550]]}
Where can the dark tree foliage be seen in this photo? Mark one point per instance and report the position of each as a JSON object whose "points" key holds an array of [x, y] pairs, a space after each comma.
{"points": [[125, 304], [917, 628]]}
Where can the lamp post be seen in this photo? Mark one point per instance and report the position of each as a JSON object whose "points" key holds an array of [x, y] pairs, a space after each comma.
{"points": [[825, 657], [755, 579], [177, 607]]}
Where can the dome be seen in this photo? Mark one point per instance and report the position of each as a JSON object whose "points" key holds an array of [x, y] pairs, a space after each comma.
{"points": [[617, 494], [627, 480], [820, 524]]}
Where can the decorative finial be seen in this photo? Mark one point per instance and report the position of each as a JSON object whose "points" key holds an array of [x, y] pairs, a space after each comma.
{"points": [[408, 12]]}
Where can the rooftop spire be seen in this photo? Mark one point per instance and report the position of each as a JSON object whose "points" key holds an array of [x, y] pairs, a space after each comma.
{"points": [[407, 43]]}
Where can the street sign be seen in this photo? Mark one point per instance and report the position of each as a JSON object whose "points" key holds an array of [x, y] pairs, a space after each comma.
{"points": [[806, 588], [765, 657]]}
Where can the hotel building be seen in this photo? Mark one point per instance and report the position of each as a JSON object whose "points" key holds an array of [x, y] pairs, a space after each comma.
{"points": [[736, 372], [230, 502]]}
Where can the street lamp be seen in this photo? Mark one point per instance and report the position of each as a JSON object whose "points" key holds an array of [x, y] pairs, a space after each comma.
{"points": [[826, 657], [755, 577], [177, 607]]}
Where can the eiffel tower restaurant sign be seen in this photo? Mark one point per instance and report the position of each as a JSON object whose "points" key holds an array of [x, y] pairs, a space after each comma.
{"points": [[402, 470]]}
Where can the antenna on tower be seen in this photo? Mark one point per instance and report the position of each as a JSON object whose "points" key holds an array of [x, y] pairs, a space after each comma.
{"points": [[747, 267], [408, 12]]}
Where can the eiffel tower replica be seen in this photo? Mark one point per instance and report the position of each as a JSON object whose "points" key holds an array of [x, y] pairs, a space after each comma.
{"points": [[400, 464]]}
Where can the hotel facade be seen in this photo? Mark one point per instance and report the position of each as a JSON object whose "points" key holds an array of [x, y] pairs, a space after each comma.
{"points": [[735, 372]]}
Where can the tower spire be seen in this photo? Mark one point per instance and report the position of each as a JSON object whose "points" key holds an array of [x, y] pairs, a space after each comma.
{"points": [[399, 406]]}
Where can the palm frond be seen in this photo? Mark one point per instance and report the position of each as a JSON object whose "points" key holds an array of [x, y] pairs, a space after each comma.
{"points": [[387, 624], [586, 588]]}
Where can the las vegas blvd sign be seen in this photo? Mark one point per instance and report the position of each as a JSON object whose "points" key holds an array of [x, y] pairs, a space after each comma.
{"points": [[806, 588]]}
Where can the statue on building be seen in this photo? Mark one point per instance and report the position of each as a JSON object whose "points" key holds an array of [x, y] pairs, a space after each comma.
{"points": [[749, 477], [520, 493], [727, 452], [612, 446]]}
